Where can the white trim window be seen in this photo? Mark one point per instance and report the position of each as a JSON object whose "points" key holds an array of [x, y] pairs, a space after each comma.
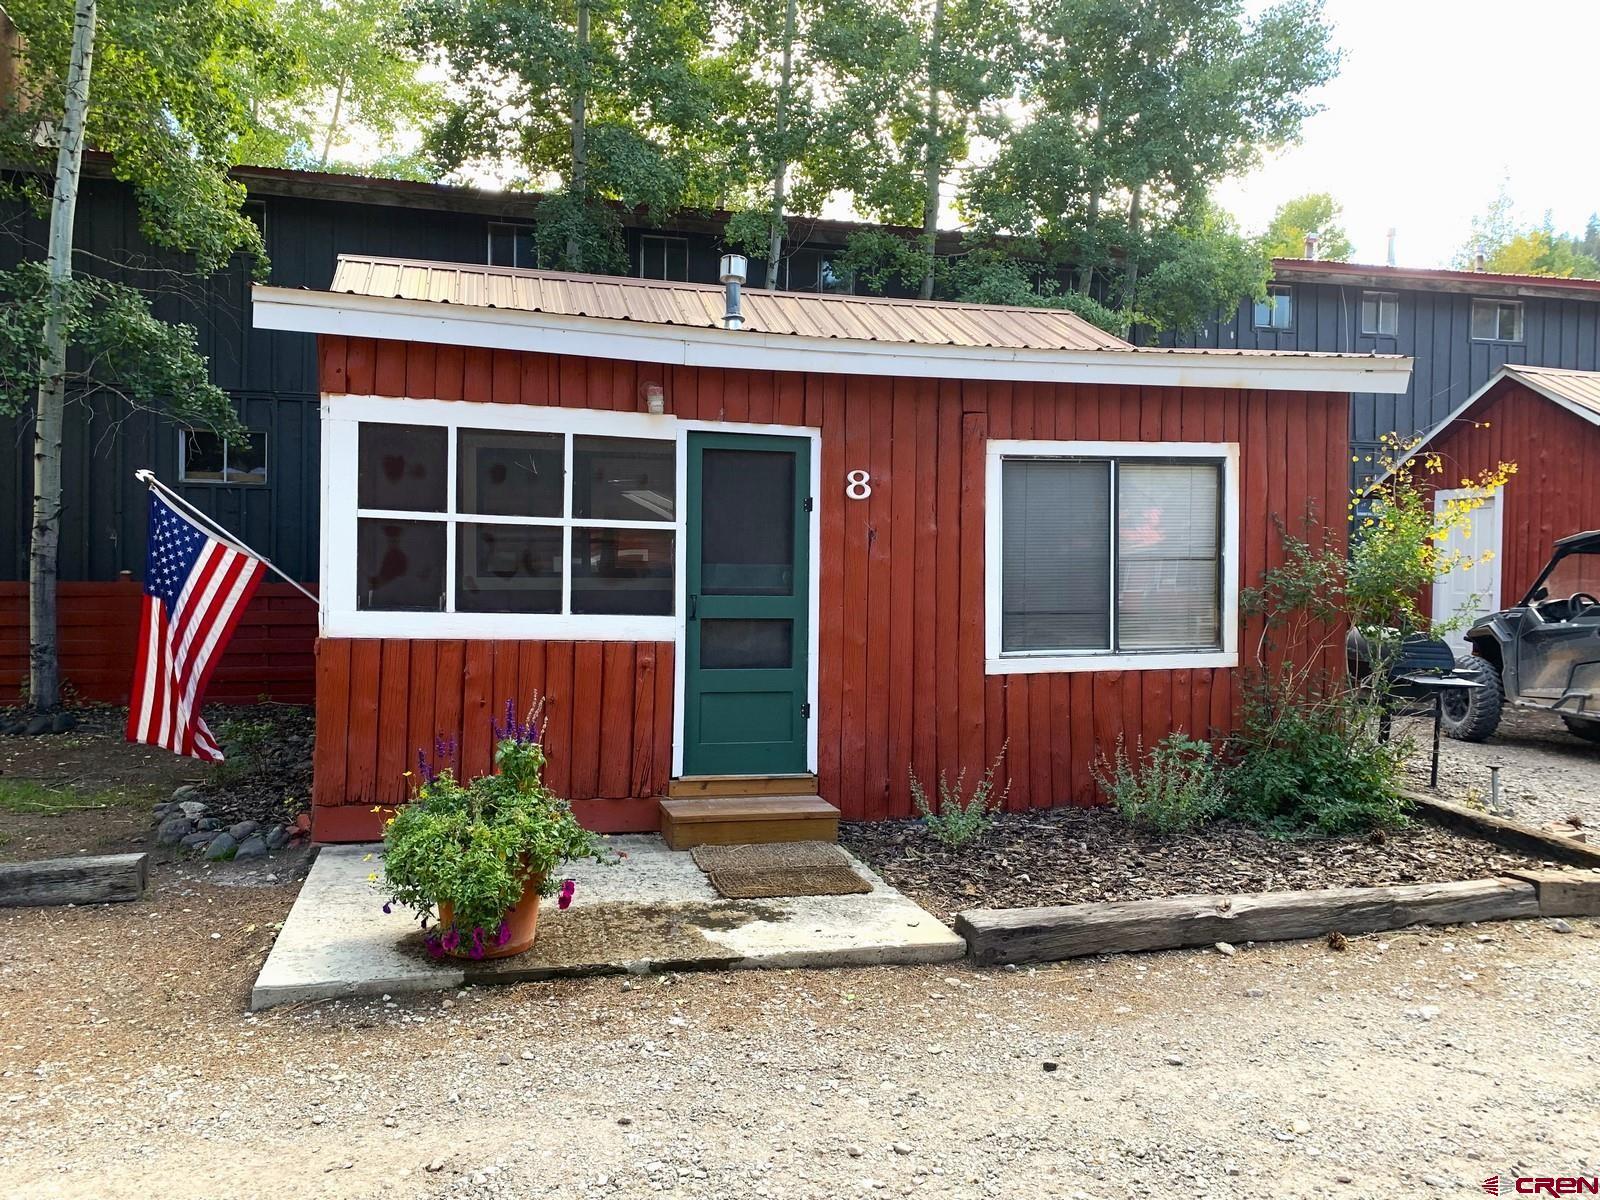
{"points": [[1276, 310], [1497, 320], [1111, 556], [204, 457], [444, 521], [1380, 313], [513, 245], [663, 258]]}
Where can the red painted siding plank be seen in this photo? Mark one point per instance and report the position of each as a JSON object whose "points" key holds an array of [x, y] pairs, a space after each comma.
{"points": [[588, 663], [393, 698], [616, 720], [360, 769], [333, 721]]}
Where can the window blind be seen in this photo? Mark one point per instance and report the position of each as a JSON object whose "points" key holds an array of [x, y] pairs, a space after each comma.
{"points": [[1056, 555], [1168, 545]]}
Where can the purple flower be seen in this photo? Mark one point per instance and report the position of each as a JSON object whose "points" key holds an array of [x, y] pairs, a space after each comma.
{"points": [[435, 950], [387, 908], [568, 886], [504, 934], [451, 940], [477, 943]]}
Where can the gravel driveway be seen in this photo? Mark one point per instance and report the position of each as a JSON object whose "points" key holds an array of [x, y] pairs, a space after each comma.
{"points": [[1546, 774], [1410, 1064]]}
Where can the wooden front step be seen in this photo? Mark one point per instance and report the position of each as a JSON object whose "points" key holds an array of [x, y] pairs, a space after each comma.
{"points": [[690, 786], [687, 822]]}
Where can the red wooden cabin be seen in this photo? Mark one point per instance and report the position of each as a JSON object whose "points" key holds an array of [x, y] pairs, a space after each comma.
{"points": [[855, 537], [1546, 421]]}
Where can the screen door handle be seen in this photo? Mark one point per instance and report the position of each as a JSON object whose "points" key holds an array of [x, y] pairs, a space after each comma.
{"points": [[694, 606]]}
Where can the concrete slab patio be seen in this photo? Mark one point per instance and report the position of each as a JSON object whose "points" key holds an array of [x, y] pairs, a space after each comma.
{"points": [[653, 911]]}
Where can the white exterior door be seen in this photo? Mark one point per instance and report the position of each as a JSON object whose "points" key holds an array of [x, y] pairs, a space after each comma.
{"points": [[1470, 591]]}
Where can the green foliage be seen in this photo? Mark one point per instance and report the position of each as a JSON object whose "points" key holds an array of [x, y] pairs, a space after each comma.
{"points": [[1304, 762], [348, 84], [1131, 113], [475, 844], [960, 818], [1513, 248], [122, 348], [1173, 787], [166, 105], [1315, 212], [242, 742], [30, 796]]}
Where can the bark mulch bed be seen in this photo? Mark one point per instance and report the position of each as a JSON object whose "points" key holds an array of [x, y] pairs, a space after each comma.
{"points": [[1072, 855]]}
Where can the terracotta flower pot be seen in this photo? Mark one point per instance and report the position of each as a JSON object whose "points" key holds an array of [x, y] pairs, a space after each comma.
{"points": [[522, 923]]}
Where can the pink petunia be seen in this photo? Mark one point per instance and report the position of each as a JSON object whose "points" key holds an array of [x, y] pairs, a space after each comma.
{"points": [[568, 886]]}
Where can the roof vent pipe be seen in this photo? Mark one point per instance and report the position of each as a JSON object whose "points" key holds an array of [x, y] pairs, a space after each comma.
{"points": [[734, 269], [1392, 233], [1311, 245], [1479, 260]]}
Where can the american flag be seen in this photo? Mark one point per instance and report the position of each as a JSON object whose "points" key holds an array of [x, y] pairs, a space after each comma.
{"points": [[195, 589]]}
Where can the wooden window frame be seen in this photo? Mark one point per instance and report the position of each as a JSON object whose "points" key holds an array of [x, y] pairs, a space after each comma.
{"points": [[1002, 662]]}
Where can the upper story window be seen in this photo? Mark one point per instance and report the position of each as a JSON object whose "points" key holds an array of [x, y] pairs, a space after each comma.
{"points": [[1380, 313], [203, 457], [1497, 320], [663, 257], [1109, 556], [1276, 311], [814, 271], [512, 245]]}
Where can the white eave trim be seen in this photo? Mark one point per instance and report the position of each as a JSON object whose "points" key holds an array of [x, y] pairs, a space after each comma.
{"points": [[637, 341]]}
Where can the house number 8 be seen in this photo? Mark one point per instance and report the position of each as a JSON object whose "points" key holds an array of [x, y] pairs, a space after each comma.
{"points": [[856, 485]]}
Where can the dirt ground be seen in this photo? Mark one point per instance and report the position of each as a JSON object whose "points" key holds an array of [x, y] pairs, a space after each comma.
{"points": [[1071, 855], [1409, 1064], [1546, 774]]}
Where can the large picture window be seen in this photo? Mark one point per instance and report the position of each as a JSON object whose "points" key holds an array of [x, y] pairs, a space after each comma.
{"points": [[1107, 555], [461, 519]]}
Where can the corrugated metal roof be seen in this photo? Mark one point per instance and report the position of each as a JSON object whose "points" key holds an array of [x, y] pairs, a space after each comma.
{"points": [[801, 314], [1580, 388]]}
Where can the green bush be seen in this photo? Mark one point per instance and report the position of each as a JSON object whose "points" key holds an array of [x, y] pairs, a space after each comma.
{"points": [[1314, 764], [1173, 787], [959, 819]]}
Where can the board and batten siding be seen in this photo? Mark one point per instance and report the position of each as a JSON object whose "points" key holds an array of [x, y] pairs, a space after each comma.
{"points": [[1556, 488], [902, 682]]}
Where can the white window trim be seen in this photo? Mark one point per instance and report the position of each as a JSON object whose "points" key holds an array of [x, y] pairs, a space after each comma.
{"points": [[998, 662], [1379, 297], [514, 226], [1522, 316], [1275, 290], [663, 238], [339, 617], [183, 462]]}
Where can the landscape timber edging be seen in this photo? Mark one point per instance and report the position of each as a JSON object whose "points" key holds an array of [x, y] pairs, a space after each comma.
{"points": [[1512, 835], [1014, 935], [93, 879]]}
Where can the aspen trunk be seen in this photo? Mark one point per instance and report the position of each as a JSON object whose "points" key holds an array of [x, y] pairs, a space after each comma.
{"points": [[580, 154], [935, 153], [44, 667], [780, 171]]}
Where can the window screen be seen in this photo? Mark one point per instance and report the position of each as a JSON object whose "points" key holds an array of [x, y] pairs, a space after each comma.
{"points": [[1496, 321], [1168, 522], [1069, 527], [1380, 313], [1277, 310], [1056, 537]]}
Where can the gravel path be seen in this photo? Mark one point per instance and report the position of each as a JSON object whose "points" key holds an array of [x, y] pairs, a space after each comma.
{"points": [[1546, 773], [1410, 1064]]}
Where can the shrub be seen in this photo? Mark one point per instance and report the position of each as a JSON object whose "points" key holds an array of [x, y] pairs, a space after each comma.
{"points": [[958, 819], [474, 844], [1314, 764], [1174, 786]]}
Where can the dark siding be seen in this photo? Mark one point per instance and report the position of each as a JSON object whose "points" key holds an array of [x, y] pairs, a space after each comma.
{"points": [[1435, 329]]}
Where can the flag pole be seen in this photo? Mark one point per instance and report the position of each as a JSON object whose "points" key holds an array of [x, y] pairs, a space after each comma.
{"points": [[148, 478]]}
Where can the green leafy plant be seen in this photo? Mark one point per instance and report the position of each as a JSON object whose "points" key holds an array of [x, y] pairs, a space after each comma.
{"points": [[242, 743], [960, 818], [1315, 763], [1174, 786], [474, 845]]}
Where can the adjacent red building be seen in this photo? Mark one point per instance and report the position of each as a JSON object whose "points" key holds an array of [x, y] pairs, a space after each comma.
{"points": [[850, 539]]}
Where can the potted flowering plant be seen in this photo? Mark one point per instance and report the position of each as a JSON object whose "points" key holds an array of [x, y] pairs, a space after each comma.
{"points": [[473, 859]]}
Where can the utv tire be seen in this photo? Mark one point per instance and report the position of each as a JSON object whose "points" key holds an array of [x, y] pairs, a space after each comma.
{"points": [[1472, 714], [1585, 727]]}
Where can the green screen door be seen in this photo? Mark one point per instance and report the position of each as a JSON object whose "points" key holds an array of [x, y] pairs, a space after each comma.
{"points": [[745, 710]]}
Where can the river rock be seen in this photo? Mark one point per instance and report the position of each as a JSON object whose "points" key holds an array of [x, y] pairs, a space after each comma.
{"points": [[252, 847], [173, 830], [243, 830], [222, 846]]}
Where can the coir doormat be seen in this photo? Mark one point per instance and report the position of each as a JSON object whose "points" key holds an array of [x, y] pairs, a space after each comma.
{"points": [[779, 869]]}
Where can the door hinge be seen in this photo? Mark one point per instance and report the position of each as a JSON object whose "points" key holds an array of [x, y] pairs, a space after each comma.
{"points": [[805, 710], [808, 504]]}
